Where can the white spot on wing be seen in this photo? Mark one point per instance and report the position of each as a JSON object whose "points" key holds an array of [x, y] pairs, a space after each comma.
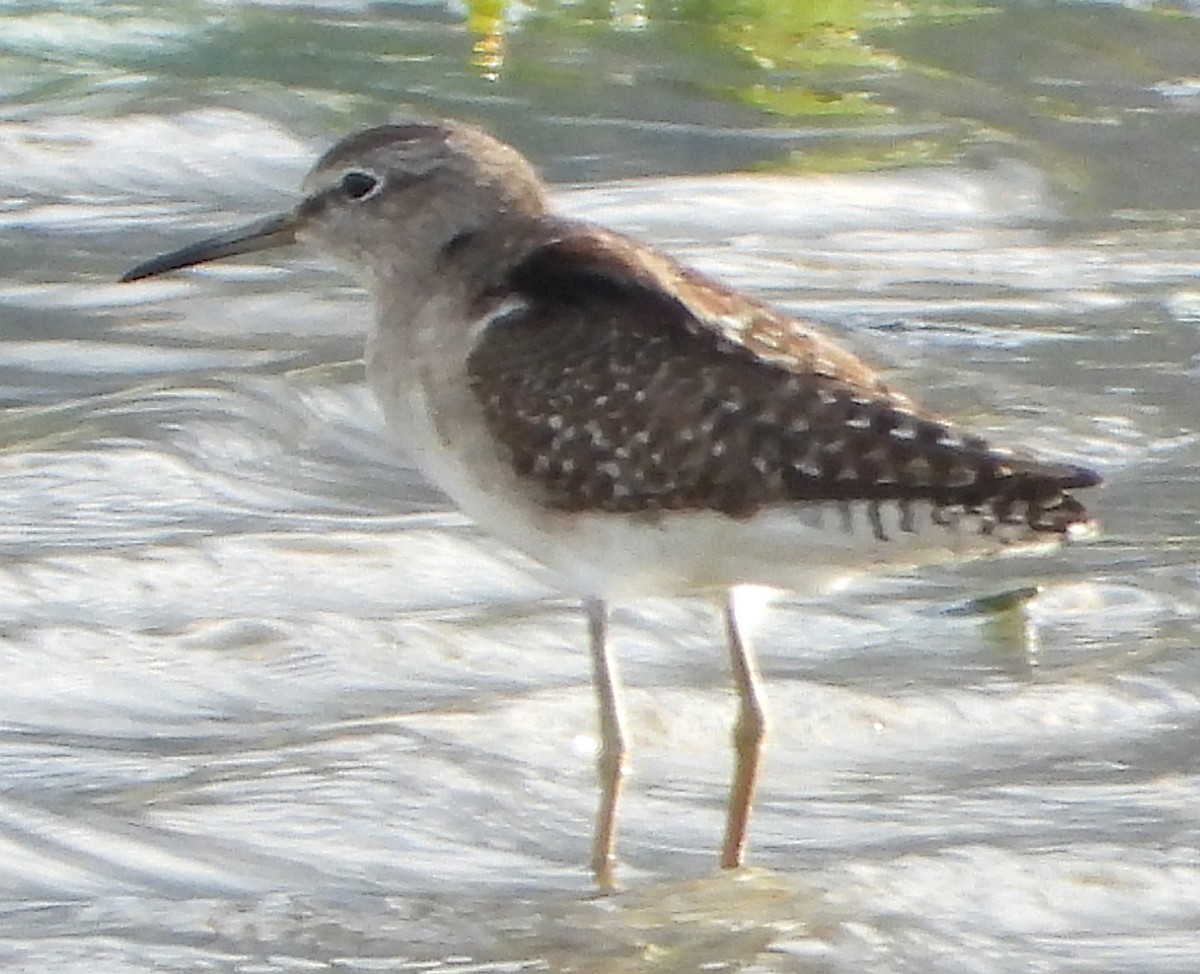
{"points": [[510, 308]]}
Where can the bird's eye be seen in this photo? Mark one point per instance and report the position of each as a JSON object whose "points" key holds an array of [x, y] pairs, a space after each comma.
{"points": [[358, 185]]}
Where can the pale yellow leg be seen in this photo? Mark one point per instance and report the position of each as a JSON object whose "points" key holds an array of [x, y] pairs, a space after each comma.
{"points": [[749, 733], [611, 762]]}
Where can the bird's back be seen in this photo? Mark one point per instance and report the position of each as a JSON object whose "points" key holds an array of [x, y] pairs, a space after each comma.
{"points": [[625, 384]]}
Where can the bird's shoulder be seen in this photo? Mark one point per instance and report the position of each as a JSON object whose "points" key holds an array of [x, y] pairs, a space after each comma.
{"points": [[579, 271]]}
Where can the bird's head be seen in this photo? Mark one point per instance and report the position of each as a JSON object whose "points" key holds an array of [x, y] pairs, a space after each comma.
{"points": [[391, 200]]}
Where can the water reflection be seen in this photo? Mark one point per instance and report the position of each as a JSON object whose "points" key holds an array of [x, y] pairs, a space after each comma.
{"points": [[795, 58]]}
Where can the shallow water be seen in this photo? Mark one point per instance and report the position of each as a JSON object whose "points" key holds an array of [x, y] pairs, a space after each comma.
{"points": [[266, 703]]}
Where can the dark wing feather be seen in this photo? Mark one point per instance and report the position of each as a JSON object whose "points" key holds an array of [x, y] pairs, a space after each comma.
{"points": [[624, 382]]}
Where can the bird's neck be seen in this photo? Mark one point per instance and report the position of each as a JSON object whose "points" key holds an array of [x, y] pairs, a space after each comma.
{"points": [[460, 274]]}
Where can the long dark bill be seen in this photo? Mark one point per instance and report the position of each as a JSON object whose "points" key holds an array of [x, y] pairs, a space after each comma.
{"points": [[274, 231]]}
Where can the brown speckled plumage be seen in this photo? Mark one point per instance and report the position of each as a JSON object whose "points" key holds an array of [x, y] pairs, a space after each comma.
{"points": [[622, 382]]}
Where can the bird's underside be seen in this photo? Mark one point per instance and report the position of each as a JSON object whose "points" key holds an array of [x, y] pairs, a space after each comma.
{"points": [[622, 382]]}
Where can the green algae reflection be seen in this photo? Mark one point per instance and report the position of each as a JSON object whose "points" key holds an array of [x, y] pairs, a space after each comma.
{"points": [[792, 58]]}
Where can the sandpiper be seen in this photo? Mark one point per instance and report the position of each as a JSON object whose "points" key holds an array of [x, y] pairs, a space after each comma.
{"points": [[632, 424]]}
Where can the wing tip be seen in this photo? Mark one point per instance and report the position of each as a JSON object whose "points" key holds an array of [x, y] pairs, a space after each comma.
{"points": [[1080, 478]]}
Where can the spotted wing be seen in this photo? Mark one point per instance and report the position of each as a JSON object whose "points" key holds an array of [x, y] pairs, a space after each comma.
{"points": [[622, 381]]}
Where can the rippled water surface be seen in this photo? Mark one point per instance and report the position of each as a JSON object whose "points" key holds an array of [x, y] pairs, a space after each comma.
{"points": [[267, 703]]}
